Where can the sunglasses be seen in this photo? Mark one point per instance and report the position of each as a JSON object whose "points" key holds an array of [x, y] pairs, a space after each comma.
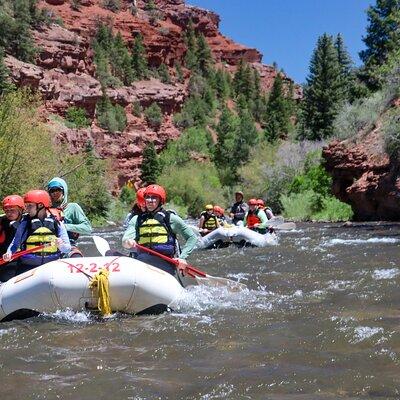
{"points": [[53, 190], [151, 198]]}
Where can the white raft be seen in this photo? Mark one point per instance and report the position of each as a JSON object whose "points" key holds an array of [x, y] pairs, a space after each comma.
{"points": [[134, 288], [237, 235]]}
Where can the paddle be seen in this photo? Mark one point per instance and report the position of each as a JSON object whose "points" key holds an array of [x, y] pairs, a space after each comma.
{"points": [[197, 274], [102, 246], [23, 252]]}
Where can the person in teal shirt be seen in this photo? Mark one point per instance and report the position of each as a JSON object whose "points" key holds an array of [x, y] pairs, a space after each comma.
{"points": [[256, 219], [157, 229], [74, 218]]}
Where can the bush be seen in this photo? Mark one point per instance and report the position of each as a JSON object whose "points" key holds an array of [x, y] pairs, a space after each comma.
{"points": [[193, 142], [112, 5], [154, 116], [137, 109], [391, 134], [127, 196], [111, 117], [76, 116], [194, 186]]}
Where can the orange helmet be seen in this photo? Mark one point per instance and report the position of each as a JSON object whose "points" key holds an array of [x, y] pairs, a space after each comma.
{"points": [[252, 202], [38, 197], [140, 197], [260, 202], [13, 201], [156, 190], [219, 210]]}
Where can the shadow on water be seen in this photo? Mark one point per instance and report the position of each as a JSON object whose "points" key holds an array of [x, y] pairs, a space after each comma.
{"points": [[320, 320]]}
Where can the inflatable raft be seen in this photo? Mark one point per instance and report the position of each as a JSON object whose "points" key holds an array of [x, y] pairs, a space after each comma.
{"points": [[134, 288], [239, 235]]}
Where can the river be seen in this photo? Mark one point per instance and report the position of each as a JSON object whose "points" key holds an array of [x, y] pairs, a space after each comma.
{"points": [[320, 320]]}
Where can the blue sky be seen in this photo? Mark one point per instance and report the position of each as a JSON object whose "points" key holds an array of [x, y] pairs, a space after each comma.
{"points": [[286, 31]]}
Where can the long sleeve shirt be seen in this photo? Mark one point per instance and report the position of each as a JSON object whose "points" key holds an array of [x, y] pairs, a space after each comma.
{"points": [[178, 227]]}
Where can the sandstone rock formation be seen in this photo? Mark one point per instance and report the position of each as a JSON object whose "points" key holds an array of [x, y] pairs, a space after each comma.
{"points": [[65, 72]]}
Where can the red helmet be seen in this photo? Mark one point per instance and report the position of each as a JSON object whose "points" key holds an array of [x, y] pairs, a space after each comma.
{"points": [[219, 210], [140, 197], [252, 202], [13, 201], [38, 197], [260, 202], [156, 190]]}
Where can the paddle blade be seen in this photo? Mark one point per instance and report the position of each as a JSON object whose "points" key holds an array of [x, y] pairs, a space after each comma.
{"points": [[101, 244], [286, 226], [216, 281]]}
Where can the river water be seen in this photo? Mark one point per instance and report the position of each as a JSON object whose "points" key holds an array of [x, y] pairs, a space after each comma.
{"points": [[320, 320]]}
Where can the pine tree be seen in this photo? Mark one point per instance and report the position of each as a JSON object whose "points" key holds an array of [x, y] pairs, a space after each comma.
{"points": [[323, 92], [164, 73], [191, 47], [221, 84], [204, 56], [247, 136], [179, 73], [243, 82], [277, 114], [382, 40], [150, 164], [346, 65], [121, 60], [139, 62]]}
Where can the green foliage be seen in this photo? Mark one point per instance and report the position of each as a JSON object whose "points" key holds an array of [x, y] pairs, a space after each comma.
{"points": [[150, 164], [137, 109], [191, 46], [178, 72], [391, 134], [112, 5], [194, 141], [110, 117], [112, 58], [204, 57], [138, 59], [127, 195], [154, 116], [5, 84], [346, 67], [222, 84], [194, 185], [277, 113], [77, 118], [382, 39], [243, 81], [323, 94], [310, 206], [28, 156], [163, 73]]}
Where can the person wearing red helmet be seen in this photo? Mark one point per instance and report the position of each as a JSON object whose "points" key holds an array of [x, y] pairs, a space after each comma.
{"points": [[13, 207], [38, 227], [267, 210], [220, 214], [256, 219], [157, 229], [138, 207]]}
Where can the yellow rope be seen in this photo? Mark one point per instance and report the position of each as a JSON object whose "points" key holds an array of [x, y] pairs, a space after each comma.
{"points": [[100, 281]]}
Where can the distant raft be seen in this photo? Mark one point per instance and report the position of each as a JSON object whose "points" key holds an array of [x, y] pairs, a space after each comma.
{"points": [[239, 235], [134, 288]]}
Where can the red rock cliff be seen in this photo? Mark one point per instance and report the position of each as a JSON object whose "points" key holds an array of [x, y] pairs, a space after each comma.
{"points": [[64, 72], [365, 177]]}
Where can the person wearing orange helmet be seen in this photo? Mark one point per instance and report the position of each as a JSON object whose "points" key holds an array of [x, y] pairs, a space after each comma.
{"points": [[138, 207], [267, 210], [256, 219], [38, 227], [157, 229], [220, 214], [208, 220], [13, 207]]}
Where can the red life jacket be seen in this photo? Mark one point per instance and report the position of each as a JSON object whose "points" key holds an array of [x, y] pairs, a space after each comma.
{"points": [[252, 219]]}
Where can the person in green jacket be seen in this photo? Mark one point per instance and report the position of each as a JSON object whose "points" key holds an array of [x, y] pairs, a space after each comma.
{"points": [[73, 216], [256, 219], [157, 229]]}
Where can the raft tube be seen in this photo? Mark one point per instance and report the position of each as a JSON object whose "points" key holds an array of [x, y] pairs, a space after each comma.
{"points": [[224, 236], [134, 288]]}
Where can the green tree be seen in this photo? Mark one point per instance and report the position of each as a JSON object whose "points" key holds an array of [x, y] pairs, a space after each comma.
{"points": [[154, 116], [221, 84], [243, 80], [204, 57], [139, 61], [178, 72], [277, 113], [191, 61], [150, 164], [323, 93], [382, 38], [5, 84], [346, 66], [110, 117], [163, 73]]}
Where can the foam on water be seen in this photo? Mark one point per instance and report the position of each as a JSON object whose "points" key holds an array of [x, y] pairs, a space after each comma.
{"points": [[365, 332], [334, 242], [69, 315], [380, 274]]}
